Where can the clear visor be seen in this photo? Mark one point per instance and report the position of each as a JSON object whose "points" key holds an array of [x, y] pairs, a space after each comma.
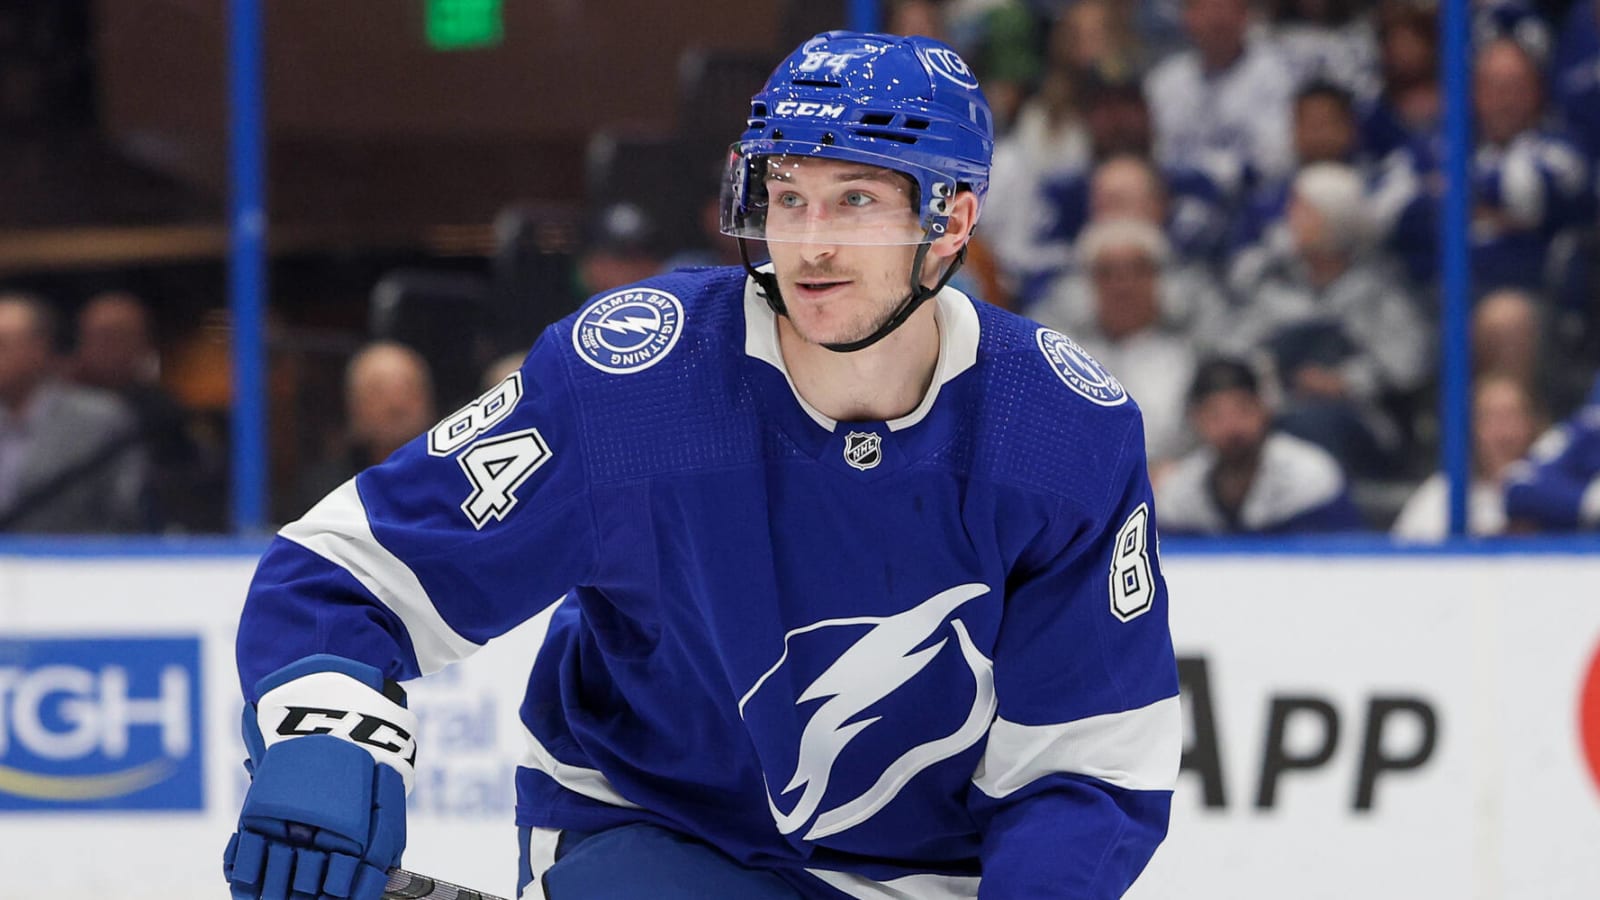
{"points": [[793, 198]]}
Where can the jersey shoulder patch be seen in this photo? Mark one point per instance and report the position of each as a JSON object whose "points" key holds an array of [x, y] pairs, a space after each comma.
{"points": [[1078, 370], [629, 330]]}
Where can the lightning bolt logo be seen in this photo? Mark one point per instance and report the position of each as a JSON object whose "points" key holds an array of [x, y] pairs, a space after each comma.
{"points": [[875, 666], [631, 324], [628, 330]]}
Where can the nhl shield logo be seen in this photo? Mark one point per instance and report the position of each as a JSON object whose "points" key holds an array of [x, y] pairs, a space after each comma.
{"points": [[863, 450]]}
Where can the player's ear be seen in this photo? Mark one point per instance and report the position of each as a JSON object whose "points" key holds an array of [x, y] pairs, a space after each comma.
{"points": [[958, 228]]}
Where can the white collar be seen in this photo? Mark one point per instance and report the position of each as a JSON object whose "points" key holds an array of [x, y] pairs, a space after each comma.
{"points": [[958, 347]]}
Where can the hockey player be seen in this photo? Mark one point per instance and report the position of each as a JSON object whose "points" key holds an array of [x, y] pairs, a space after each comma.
{"points": [[862, 596]]}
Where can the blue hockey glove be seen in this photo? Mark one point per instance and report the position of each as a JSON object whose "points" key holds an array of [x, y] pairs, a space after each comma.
{"points": [[331, 761]]}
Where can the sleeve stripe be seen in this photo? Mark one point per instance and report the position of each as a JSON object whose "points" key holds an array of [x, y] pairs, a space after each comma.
{"points": [[591, 783], [1136, 749], [337, 530]]}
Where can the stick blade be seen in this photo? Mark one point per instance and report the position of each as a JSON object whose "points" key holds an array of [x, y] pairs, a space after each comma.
{"points": [[405, 885]]}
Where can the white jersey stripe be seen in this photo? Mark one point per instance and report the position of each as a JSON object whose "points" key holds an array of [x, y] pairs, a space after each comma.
{"points": [[1137, 749], [541, 855], [337, 530], [590, 783], [909, 887]]}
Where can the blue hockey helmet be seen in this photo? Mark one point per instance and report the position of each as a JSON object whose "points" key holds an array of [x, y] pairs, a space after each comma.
{"points": [[907, 104]]}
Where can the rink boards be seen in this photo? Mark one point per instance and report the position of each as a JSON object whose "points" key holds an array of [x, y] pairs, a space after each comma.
{"points": [[1363, 725]]}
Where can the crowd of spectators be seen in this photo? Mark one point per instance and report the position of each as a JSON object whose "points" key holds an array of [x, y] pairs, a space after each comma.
{"points": [[1233, 205]]}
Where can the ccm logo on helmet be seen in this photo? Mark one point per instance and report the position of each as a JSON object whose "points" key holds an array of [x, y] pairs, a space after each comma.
{"points": [[797, 108], [360, 728]]}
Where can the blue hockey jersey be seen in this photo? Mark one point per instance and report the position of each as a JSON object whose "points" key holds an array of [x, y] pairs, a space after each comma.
{"points": [[870, 656], [1557, 488]]}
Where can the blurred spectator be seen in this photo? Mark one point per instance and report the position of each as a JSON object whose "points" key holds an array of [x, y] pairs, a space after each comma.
{"points": [[1047, 142], [71, 459], [1126, 263], [1328, 40], [1132, 187], [1094, 37], [1557, 488], [1529, 183], [1504, 424], [501, 368], [1515, 20], [116, 352], [1578, 38], [1409, 108], [1158, 25], [713, 248], [1575, 76], [1247, 478], [1337, 321], [915, 18], [1193, 207], [1129, 187], [1327, 130], [1570, 320], [1505, 336], [1324, 131], [1223, 105], [388, 397], [621, 245]]}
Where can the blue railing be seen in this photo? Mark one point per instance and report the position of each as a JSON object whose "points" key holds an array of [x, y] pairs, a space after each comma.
{"points": [[247, 271]]}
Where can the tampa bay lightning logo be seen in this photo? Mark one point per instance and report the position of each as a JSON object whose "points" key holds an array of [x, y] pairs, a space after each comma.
{"points": [[628, 331], [1079, 371], [883, 660]]}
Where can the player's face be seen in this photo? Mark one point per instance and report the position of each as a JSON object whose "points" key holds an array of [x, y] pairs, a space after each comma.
{"points": [[837, 290]]}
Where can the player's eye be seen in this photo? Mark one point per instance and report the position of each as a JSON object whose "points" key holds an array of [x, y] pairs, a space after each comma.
{"points": [[858, 198], [788, 200]]}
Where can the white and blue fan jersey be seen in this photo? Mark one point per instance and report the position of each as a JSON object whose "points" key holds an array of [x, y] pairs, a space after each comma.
{"points": [[871, 656]]}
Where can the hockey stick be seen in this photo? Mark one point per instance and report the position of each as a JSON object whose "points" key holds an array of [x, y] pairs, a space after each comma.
{"points": [[405, 885]]}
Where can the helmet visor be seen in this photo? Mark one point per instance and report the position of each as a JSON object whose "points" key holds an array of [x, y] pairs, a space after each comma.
{"points": [[797, 197]]}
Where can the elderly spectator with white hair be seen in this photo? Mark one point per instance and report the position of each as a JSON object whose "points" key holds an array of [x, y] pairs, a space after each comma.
{"points": [[1336, 320], [1129, 187], [1125, 264]]}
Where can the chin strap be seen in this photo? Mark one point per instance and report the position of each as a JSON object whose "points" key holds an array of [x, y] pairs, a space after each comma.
{"points": [[919, 295]]}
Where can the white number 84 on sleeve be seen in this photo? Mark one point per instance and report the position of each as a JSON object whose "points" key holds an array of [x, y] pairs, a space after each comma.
{"points": [[494, 466]]}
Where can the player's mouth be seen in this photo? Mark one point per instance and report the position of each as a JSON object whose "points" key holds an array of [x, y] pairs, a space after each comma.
{"points": [[817, 289]]}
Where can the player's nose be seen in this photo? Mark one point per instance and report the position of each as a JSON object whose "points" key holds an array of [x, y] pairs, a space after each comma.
{"points": [[814, 250]]}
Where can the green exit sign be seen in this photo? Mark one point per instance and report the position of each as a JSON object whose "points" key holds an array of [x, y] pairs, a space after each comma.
{"points": [[464, 24]]}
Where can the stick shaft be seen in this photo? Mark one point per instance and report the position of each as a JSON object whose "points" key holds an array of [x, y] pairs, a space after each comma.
{"points": [[405, 885]]}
